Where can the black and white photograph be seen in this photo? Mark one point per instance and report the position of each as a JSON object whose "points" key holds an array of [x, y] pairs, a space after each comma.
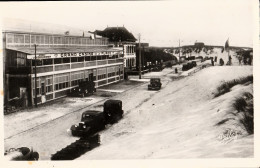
{"points": [[129, 80]]}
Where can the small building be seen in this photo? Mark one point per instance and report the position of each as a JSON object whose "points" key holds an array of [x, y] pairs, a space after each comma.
{"points": [[120, 37], [61, 62]]}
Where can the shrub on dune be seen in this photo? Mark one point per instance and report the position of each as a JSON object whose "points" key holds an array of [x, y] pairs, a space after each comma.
{"points": [[226, 86], [245, 111]]}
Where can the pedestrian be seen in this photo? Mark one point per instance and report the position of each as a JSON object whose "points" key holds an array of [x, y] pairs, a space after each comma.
{"points": [[221, 62], [216, 58], [239, 59], [230, 60]]}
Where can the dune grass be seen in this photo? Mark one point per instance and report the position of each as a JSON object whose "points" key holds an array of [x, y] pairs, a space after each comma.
{"points": [[226, 86], [245, 111]]}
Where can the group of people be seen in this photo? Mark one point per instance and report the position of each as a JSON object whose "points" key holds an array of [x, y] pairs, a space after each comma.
{"points": [[221, 61]]}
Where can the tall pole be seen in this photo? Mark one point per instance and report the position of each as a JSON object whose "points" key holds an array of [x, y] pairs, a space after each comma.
{"points": [[179, 51], [140, 59], [35, 73]]}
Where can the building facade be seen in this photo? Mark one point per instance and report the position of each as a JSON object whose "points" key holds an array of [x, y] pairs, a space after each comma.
{"points": [[61, 62], [122, 38]]}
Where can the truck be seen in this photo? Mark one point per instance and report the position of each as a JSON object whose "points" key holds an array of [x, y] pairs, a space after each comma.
{"points": [[155, 84], [94, 121], [21, 154], [84, 88]]}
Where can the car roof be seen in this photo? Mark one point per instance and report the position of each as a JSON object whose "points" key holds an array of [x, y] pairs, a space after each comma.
{"points": [[91, 112], [113, 101]]}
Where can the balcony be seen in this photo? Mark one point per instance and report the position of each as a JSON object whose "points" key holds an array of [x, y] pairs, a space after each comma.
{"points": [[67, 66], [77, 65], [62, 67], [42, 69]]}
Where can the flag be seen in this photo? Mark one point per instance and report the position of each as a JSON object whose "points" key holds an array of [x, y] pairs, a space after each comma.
{"points": [[227, 44], [67, 33]]}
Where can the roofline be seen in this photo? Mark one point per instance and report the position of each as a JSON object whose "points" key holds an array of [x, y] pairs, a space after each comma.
{"points": [[35, 33], [39, 49]]}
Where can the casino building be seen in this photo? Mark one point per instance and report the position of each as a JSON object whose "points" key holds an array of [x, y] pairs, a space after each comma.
{"points": [[61, 62]]}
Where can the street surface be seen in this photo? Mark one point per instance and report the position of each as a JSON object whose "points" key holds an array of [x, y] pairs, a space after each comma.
{"points": [[178, 113], [37, 130]]}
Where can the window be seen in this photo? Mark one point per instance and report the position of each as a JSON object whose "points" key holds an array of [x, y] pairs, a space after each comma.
{"points": [[21, 59], [61, 81], [102, 73], [47, 62], [80, 59], [87, 58], [49, 83], [93, 58], [57, 60], [74, 59], [104, 57], [76, 77], [66, 60]]}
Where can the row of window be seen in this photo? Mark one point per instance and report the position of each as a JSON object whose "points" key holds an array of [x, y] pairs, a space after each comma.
{"points": [[69, 60], [24, 39], [61, 81], [63, 85]]}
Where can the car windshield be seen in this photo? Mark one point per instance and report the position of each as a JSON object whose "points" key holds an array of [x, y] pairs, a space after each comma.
{"points": [[87, 116], [155, 80]]}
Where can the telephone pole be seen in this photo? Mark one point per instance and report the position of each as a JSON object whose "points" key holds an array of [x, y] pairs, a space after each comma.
{"points": [[140, 59], [179, 51], [35, 80]]}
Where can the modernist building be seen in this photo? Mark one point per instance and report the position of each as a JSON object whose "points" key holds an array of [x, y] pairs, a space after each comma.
{"points": [[61, 62], [121, 38]]}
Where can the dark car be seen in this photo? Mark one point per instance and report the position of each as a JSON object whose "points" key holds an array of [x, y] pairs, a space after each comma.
{"points": [[113, 111], [91, 122], [85, 88], [20, 154], [94, 121], [155, 84]]}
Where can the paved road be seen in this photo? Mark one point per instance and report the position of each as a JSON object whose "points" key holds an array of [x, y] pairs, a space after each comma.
{"points": [[53, 136]]}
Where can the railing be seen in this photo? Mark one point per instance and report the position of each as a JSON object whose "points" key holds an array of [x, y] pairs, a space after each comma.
{"points": [[112, 61], [119, 60], [90, 63], [42, 69], [62, 67], [77, 65], [103, 62]]}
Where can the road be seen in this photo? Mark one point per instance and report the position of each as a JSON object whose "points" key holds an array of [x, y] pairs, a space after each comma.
{"points": [[49, 137]]}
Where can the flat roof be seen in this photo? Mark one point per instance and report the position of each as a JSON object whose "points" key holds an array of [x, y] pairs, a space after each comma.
{"points": [[57, 50]]}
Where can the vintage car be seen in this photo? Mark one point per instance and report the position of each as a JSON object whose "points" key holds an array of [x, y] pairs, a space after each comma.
{"points": [[94, 121], [155, 84], [20, 154], [91, 122], [85, 88]]}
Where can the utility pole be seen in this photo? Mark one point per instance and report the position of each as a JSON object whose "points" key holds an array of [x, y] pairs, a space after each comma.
{"points": [[35, 73], [179, 51], [140, 59]]}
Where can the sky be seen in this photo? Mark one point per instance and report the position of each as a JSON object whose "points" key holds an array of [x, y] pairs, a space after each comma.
{"points": [[160, 23]]}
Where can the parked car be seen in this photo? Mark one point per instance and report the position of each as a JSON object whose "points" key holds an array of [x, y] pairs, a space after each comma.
{"points": [[20, 154], [85, 88], [155, 84]]}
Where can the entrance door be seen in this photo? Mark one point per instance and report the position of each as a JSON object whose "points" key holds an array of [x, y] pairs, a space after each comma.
{"points": [[90, 77], [42, 89]]}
